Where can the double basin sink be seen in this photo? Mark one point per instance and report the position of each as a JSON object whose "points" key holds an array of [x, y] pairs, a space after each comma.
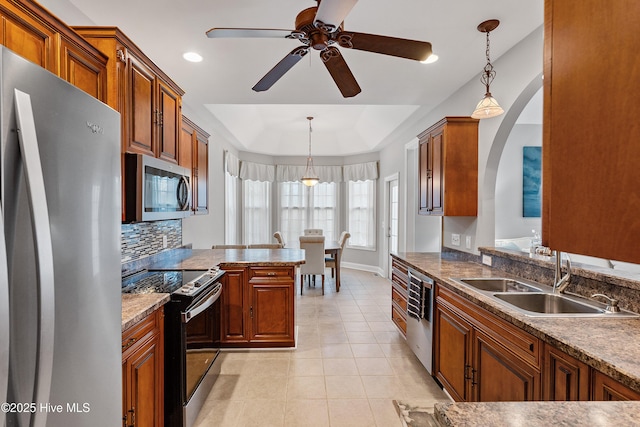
{"points": [[532, 300]]}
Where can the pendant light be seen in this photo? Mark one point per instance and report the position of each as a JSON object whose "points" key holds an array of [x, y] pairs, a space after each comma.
{"points": [[310, 178], [488, 106]]}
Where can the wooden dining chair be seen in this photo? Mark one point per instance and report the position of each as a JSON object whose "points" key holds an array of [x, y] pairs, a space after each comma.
{"points": [[313, 258], [313, 232], [330, 262], [280, 238]]}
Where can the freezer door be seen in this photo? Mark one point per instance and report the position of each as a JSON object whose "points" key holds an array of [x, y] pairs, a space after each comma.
{"points": [[78, 140]]}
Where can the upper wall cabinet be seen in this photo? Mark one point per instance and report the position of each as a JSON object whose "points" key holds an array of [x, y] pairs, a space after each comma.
{"points": [[194, 155], [33, 33], [448, 168], [591, 133], [149, 101]]}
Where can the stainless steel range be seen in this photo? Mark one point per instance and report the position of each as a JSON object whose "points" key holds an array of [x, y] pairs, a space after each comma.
{"points": [[191, 336]]}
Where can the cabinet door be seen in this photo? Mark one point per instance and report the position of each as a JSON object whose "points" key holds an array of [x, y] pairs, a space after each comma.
{"points": [[606, 388], [452, 353], [424, 179], [202, 176], [83, 71], [145, 370], [566, 378], [499, 376], [29, 38], [234, 327], [271, 311], [437, 179], [142, 116], [169, 129]]}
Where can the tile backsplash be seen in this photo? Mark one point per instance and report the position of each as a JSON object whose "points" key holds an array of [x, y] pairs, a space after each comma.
{"points": [[142, 239]]}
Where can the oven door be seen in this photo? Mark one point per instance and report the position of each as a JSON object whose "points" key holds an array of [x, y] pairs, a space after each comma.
{"points": [[201, 348]]}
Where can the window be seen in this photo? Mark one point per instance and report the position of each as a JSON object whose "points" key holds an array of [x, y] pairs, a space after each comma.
{"points": [[230, 209], [257, 212], [361, 202], [308, 207]]}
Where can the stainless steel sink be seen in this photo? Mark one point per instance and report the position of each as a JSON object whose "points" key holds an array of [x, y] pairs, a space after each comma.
{"points": [[498, 284], [548, 303]]}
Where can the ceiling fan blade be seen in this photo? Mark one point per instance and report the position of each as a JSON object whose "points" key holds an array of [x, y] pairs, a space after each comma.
{"points": [[403, 48], [340, 72], [331, 13], [281, 68], [248, 32]]}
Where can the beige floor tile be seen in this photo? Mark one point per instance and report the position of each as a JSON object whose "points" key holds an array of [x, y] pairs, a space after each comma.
{"points": [[220, 413], [384, 413], [374, 366], [382, 326], [397, 350], [229, 387], [340, 366], [407, 366], [388, 337], [335, 337], [305, 367], [336, 351], [262, 413], [379, 387], [423, 387], [348, 387], [306, 412], [267, 367], [357, 326], [352, 317], [351, 413], [271, 387], [367, 350], [358, 337], [377, 317], [306, 388]]}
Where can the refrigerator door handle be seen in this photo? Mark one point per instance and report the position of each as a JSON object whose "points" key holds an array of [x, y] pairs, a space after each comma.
{"points": [[44, 250], [5, 319]]}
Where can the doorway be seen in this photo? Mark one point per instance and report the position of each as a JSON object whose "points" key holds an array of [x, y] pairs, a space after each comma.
{"points": [[392, 209]]}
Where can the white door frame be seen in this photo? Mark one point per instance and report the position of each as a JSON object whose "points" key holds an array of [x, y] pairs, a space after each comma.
{"points": [[386, 222]]}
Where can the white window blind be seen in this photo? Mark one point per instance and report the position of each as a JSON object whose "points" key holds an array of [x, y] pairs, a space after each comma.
{"points": [[361, 201], [257, 212], [308, 207]]}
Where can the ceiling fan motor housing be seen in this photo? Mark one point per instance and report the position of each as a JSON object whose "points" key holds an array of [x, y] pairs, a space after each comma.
{"points": [[318, 37]]}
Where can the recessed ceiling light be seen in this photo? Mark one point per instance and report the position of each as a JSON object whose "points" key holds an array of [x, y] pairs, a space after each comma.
{"points": [[430, 59], [192, 57]]}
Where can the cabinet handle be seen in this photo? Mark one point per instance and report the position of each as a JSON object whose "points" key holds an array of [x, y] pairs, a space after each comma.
{"points": [[132, 411], [129, 343], [466, 372], [251, 312], [473, 377], [161, 121], [271, 273]]}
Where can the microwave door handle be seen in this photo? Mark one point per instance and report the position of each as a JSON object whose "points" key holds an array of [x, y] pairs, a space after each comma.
{"points": [[43, 248], [202, 305], [5, 318], [184, 202]]}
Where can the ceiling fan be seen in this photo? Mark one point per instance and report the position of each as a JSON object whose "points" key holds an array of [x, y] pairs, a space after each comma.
{"points": [[321, 28]]}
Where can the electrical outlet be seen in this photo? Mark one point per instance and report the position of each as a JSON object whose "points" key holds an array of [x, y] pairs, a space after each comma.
{"points": [[486, 260], [468, 242], [455, 239], [164, 241]]}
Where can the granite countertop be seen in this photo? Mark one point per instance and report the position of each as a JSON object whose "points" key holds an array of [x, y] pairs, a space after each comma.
{"points": [[538, 414], [610, 345], [136, 307], [203, 259]]}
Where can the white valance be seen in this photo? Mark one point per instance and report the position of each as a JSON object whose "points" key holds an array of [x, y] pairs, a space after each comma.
{"points": [[257, 171], [292, 173], [232, 164], [361, 171]]}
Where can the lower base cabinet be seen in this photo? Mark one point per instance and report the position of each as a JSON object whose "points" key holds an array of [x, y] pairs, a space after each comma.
{"points": [[143, 372], [607, 389], [258, 307]]}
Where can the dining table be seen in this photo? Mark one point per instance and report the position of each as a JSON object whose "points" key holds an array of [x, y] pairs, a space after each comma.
{"points": [[332, 248]]}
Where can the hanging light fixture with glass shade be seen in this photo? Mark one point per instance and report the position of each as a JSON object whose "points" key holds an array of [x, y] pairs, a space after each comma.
{"points": [[310, 178], [488, 106]]}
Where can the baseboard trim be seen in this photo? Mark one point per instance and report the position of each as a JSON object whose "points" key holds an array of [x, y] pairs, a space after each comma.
{"points": [[362, 267]]}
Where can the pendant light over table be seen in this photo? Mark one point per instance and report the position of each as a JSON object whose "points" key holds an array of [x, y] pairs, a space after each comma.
{"points": [[310, 178], [488, 106]]}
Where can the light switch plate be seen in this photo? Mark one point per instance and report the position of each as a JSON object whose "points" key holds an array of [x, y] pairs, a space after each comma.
{"points": [[468, 242], [486, 260]]}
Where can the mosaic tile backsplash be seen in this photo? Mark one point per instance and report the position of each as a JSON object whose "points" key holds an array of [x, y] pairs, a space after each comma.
{"points": [[143, 239]]}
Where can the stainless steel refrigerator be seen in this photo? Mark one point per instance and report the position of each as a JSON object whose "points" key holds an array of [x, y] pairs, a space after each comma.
{"points": [[60, 301]]}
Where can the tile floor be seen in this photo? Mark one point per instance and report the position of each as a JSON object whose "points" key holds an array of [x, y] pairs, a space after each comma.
{"points": [[350, 364]]}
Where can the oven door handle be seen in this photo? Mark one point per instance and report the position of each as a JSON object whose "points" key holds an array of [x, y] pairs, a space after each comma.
{"points": [[202, 305]]}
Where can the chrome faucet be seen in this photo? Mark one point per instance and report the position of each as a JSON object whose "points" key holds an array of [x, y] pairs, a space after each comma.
{"points": [[612, 307], [561, 283]]}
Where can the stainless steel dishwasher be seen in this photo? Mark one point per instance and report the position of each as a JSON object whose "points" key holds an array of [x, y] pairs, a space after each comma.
{"points": [[420, 317]]}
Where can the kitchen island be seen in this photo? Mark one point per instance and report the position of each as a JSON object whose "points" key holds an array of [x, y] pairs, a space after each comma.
{"points": [[605, 349]]}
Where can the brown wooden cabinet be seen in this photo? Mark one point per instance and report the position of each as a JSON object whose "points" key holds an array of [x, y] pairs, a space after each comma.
{"points": [[607, 389], [479, 357], [194, 154], [399, 292], [565, 377], [258, 307], [590, 150], [143, 372], [33, 33], [448, 168], [149, 101]]}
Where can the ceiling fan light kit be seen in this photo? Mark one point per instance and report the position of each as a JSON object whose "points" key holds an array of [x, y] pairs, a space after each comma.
{"points": [[321, 28], [488, 106], [310, 177]]}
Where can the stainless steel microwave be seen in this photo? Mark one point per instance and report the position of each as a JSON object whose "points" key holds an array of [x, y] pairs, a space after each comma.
{"points": [[155, 189]]}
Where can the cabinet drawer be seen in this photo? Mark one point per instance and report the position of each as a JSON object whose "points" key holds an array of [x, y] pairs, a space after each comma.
{"points": [[399, 319], [142, 330], [399, 299], [271, 272]]}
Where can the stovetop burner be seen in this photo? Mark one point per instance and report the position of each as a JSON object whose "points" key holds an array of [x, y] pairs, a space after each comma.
{"points": [[178, 283]]}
